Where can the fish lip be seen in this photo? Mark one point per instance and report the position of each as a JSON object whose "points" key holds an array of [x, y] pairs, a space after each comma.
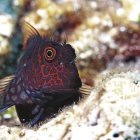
{"points": [[62, 91]]}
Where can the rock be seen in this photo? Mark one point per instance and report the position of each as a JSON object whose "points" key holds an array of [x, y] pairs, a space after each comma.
{"points": [[7, 116]]}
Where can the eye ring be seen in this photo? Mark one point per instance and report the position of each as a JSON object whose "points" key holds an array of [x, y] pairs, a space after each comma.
{"points": [[49, 53]]}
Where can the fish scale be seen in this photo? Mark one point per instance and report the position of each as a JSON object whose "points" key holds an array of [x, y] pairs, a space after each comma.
{"points": [[16, 92], [46, 78]]}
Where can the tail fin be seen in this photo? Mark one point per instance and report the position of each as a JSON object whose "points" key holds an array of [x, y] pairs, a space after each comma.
{"points": [[4, 84]]}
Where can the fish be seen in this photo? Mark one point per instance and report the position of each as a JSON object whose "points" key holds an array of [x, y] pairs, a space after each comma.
{"points": [[46, 78]]}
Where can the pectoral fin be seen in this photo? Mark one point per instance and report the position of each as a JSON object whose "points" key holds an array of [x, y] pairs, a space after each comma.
{"points": [[5, 103], [85, 90], [5, 107], [37, 117], [4, 83]]}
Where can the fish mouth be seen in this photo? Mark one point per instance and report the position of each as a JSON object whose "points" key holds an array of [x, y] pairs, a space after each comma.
{"points": [[49, 96], [60, 95], [62, 91]]}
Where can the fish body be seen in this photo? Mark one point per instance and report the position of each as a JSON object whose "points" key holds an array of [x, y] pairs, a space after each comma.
{"points": [[46, 77]]}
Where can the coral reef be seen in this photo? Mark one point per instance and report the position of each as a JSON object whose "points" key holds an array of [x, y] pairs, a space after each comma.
{"points": [[105, 35]]}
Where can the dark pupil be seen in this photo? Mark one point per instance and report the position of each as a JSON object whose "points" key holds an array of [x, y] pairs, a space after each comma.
{"points": [[49, 53]]}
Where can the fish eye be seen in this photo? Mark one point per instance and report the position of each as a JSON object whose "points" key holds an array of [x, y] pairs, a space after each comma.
{"points": [[49, 53]]}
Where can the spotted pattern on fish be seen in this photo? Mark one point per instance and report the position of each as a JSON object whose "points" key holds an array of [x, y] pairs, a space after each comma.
{"points": [[46, 76]]}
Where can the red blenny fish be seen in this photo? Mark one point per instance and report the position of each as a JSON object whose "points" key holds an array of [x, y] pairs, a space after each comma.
{"points": [[46, 76]]}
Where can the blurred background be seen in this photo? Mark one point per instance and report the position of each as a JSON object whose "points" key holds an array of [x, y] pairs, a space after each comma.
{"points": [[104, 33]]}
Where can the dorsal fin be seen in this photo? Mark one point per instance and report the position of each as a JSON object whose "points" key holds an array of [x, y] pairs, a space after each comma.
{"points": [[28, 31]]}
